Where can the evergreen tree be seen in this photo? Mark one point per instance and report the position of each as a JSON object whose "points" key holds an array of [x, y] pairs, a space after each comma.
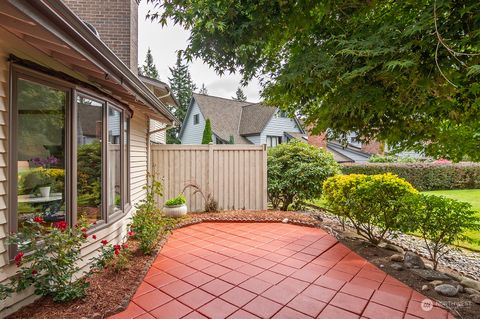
{"points": [[149, 68], [207, 133], [203, 89], [182, 87], [240, 96]]}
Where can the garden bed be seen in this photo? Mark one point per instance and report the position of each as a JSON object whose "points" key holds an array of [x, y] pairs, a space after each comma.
{"points": [[110, 291]]}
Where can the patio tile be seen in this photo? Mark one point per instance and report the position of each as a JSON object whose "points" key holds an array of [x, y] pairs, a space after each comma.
{"points": [[390, 300], [307, 275], [357, 290], [307, 305], [217, 309], [288, 313], [242, 314], [255, 285], [348, 302], [160, 280], [177, 288], [152, 300], [171, 310], [294, 284], [232, 263], [196, 298], [234, 277], [250, 270], [132, 311], [331, 312], [263, 263], [262, 307], [280, 294], [194, 315], [216, 270], [319, 293], [217, 287], [293, 262], [270, 277], [200, 264], [329, 282], [238, 296], [283, 270], [197, 279], [143, 289], [415, 308], [376, 311]]}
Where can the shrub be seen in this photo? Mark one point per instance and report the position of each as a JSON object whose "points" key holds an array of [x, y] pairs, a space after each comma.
{"points": [[148, 222], [47, 259], [115, 256], [207, 133], [296, 172], [425, 176], [391, 159], [375, 204], [441, 222], [179, 200]]}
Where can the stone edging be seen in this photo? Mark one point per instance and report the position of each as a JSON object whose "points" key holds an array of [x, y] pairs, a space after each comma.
{"points": [[129, 296]]}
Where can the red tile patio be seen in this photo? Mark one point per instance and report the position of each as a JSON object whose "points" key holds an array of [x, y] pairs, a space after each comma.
{"points": [[268, 270]]}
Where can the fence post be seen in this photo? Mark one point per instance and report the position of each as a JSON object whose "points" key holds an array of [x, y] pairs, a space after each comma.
{"points": [[210, 170]]}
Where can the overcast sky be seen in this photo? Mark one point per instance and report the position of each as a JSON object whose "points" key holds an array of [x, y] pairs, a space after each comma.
{"points": [[164, 42]]}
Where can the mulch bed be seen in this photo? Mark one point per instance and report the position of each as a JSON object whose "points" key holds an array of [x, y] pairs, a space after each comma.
{"points": [[110, 291]]}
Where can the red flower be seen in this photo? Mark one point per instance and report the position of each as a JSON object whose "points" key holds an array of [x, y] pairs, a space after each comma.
{"points": [[84, 230], [18, 258], [38, 219], [104, 242], [34, 272], [125, 246], [85, 235], [62, 226], [117, 252], [94, 236], [131, 233], [117, 247]]}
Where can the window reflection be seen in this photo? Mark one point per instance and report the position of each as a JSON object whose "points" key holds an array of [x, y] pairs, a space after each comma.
{"points": [[114, 165], [89, 158], [40, 151]]}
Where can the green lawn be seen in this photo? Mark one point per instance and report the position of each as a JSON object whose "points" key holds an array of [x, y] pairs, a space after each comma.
{"points": [[471, 196]]}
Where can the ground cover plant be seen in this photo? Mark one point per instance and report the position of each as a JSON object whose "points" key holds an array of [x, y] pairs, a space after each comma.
{"points": [[296, 172]]}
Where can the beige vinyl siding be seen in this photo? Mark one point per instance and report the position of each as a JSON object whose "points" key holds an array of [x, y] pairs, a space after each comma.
{"points": [[236, 175], [4, 75], [160, 137]]}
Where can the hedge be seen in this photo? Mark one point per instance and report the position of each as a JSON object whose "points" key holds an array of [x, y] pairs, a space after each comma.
{"points": [[424, 176]]}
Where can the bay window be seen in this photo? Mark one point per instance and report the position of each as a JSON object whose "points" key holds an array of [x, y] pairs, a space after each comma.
{"points": [[70, 150]]}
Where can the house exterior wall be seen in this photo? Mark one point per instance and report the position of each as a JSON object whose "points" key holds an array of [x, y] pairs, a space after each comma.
{"points": [[160, 137], [277, 126], [192, 133], [115, 231], [255, 139], [117, 24]]}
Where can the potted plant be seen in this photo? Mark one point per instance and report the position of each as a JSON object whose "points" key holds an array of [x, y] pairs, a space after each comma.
{"points": [[175, 207]]}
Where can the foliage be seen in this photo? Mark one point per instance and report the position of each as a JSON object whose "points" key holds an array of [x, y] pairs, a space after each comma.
{"points": [[401, 72], [89, 168], [391, 159], [31, 180], [296, 172], [375, 204], [149, 69], [203, 90], [47, 260], [239, 95], [179, 200], [231, 140], [441, 222], [182, 88], [207, 133], [211, 205], [425, 176], [114, 256]]}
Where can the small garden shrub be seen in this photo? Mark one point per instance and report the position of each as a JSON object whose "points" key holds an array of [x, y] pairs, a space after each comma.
{"points": [[46, 260], [179, 200], [375, 204], [114, 256], [210, 203], [391, 159], [441, 222], [148, 221], [296, 172], [424, 176]]}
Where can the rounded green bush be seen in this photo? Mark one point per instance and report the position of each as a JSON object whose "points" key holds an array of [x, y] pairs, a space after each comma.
{"points": [[296, 172]]}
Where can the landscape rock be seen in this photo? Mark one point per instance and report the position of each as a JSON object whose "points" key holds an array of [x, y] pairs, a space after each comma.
{"points": [[425, 288], [412, 260], [97, 315], [470, 283], [476, 298], [447, 290], [471, 291], [391, 247], [397, 266], [285, 220], [430, 275], [428, 266], [436, 282], [396, 257]]}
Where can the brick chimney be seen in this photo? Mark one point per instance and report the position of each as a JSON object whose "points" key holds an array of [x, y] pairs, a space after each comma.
{"points": [[116, 22], [317, 140]]}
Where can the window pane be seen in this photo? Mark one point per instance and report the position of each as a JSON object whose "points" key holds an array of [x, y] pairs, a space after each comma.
{"points": [[126, 166], [40, 151], [114, 199], [89, 158]]}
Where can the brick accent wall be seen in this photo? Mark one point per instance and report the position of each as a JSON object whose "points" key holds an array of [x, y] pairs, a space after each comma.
{"points": [[318, 140], [117, 24], [373, 147]]}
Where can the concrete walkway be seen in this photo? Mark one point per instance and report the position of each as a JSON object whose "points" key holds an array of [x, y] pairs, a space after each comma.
{"points": [[269, 270]]}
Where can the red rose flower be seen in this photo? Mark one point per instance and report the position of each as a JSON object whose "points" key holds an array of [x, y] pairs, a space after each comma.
{"points": [[117, 252], [38, 219], [62, 226], [131, 233], [84, 230], [94, 236], [117, 247], [104, 242], [84, 235], [18, 258], [34, 272], [125, 246]]}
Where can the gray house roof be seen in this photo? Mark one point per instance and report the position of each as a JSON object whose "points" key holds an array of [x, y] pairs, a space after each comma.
{"points": [[233, 118]]}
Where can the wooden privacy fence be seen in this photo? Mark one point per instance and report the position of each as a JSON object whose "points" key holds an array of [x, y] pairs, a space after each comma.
{"points": [[235, 175]]}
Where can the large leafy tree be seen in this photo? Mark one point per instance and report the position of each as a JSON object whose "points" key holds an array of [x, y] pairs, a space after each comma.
{"points": [[149, 68], [404, 72], [182, 87]]}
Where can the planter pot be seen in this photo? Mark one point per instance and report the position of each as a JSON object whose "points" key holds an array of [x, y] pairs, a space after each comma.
{"points": [[45, 191], [175, 211]]}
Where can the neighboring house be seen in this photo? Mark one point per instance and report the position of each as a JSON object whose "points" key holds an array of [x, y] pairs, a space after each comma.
{"points": [[237, 122], [70, 92]]}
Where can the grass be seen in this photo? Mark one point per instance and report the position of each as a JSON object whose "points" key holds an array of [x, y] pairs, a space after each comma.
{"points": [[471, 196]]}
